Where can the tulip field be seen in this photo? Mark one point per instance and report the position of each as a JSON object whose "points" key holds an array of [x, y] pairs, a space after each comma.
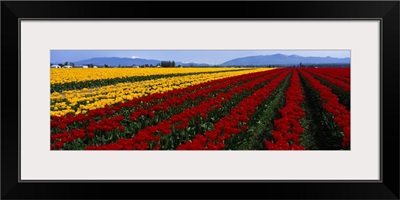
{"points": [[200, 109]]}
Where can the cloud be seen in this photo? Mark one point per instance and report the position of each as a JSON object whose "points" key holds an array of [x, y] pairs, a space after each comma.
{"points": [[135, 57]]}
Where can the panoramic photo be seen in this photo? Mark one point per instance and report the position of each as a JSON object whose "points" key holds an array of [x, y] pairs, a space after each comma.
{"points": [[200, 99]]}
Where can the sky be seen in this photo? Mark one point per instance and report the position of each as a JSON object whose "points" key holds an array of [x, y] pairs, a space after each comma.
{"points": [[198, 56]]}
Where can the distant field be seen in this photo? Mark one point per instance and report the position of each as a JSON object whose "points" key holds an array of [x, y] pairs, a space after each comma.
{"points": [[200, 109]]}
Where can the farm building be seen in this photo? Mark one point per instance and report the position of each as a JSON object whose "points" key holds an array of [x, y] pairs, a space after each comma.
{"points": [[95, 66], [55, 66], [85, 66], [67, 66]]}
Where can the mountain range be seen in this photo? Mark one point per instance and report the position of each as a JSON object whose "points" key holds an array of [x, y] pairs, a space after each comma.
{"points": [[281, 59], [276, 59]]}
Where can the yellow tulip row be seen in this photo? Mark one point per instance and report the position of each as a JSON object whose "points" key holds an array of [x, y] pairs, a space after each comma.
{"points": [[80, 101], [61, 76]]}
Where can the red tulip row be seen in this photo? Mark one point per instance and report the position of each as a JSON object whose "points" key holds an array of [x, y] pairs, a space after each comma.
{"points": [[179, 100], [288, 128], [151, 135], [342, 74], [345, 86], [113, 123], [331, 105], [106, 124], [235, 121]]}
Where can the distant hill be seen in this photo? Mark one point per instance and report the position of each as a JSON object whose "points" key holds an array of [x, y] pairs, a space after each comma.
{"points": [[281, 59], [191, 64], [115, 61]]}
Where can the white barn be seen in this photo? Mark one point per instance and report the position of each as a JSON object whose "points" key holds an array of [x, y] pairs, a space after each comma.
{"points": [[85, 66], [55, 66], [67, 66]]}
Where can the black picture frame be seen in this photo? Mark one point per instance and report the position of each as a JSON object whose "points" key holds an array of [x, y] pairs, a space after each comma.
{"points": [[386, 11]]}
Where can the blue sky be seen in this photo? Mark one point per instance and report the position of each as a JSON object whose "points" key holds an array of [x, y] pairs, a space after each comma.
{"points": [[197, 56]]}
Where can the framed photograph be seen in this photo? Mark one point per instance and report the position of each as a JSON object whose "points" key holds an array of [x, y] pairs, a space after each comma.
{"points": [[117, 97]]}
